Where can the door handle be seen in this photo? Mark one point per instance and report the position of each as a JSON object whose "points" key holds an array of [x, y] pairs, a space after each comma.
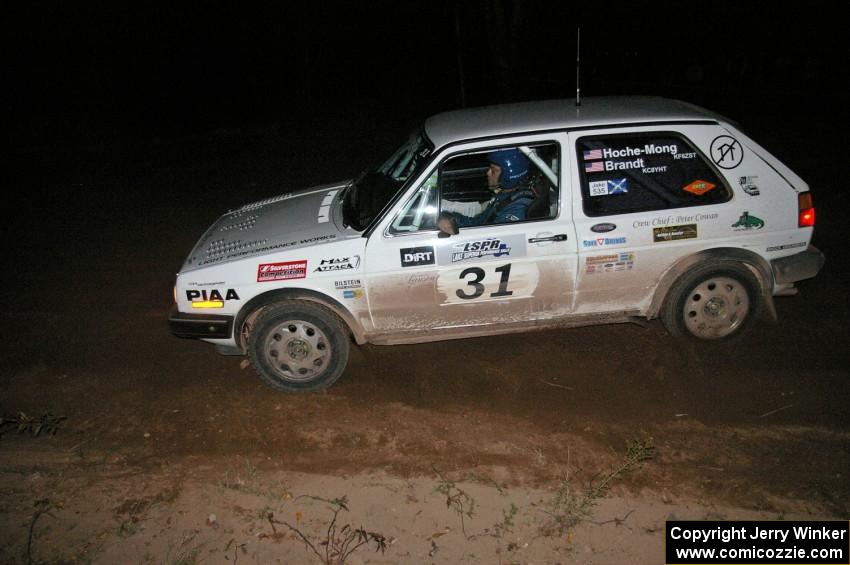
{"points": [[559, 237]]}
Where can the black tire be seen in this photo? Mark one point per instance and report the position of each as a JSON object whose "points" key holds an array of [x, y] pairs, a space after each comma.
{"points": [[716, 300], [298, 346]]}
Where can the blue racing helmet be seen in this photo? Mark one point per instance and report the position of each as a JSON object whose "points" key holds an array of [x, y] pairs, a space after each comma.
{"points": [[514, 165]]}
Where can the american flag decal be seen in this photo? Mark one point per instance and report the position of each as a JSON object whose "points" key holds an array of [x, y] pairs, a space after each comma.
{"points": [[592, 154], [596, 167]]}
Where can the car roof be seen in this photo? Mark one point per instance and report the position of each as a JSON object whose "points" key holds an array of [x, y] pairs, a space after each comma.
{"points": [[507, 119]]}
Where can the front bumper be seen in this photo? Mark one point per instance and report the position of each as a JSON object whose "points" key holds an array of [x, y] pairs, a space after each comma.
{"points": [[797, 267], [200, 326]]}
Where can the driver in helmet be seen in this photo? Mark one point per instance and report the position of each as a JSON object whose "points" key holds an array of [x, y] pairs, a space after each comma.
{"points": [[509, 178]]}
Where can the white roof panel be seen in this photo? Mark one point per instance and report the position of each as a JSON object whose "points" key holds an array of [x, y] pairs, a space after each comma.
{"points": [[507, 119]]}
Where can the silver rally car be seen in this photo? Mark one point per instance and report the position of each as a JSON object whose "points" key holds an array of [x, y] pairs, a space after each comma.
{"points": [[630, 207]]}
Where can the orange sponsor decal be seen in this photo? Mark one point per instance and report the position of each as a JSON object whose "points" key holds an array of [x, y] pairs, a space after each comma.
{"points": [[699, 187]]}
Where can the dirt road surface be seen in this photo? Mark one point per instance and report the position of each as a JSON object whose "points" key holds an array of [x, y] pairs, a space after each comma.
{"points": [[170, 453]]}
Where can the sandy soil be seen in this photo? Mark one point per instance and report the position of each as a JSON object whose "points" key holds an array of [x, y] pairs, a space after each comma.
{"points": [[162, 433]]}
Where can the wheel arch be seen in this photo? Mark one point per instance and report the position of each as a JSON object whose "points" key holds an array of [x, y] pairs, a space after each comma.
{"points": [[759, 266], [257, 303]]}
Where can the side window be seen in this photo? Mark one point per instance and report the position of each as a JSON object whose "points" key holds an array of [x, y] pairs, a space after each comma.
{"points": [[465, 185], [420, 211], [499, 185], [640, 172]]}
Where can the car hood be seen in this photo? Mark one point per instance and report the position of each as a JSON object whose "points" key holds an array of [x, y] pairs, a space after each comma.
{"points": [[284, 222]]}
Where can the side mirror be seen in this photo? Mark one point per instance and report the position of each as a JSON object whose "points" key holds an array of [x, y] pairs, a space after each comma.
{"points": [[447, 224]]}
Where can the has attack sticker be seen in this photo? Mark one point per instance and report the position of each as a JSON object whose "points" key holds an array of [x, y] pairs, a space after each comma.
{"points": [[674, 233], [338, 264], [748, 222], [417, 256], [699, 187], [268, 272]]}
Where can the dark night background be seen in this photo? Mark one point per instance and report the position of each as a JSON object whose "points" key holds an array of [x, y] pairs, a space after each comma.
{"points": [[134, 125], [97, 73]]}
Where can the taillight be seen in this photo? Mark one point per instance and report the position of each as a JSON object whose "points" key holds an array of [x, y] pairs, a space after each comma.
{"points": [[806, 218]]}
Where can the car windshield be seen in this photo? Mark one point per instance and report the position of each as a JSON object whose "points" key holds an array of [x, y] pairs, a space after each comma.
{"points": [[374, 188]]}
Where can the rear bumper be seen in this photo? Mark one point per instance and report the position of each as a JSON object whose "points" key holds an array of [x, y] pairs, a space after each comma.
{"points": [[200, 326], [797, 267]]}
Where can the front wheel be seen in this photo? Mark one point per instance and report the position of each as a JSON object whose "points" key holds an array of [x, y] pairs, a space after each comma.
{"points": [[298, 346], [716, 300]]}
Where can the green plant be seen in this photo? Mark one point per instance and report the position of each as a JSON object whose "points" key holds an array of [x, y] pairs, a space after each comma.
{"points": [[186, 553], [339, 543], [47, 423], [457, 499], [250, 469], [570, 507], [507, 523], [42, 506]]}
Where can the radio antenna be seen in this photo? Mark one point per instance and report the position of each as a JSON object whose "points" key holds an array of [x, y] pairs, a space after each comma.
{"points": [[578, 65]]}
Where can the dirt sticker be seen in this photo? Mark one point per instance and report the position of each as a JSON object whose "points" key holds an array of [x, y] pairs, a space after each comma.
{"points": [[417, 256]]}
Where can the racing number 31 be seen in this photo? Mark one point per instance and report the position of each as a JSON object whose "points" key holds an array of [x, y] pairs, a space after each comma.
{"points": [[475, 283]]}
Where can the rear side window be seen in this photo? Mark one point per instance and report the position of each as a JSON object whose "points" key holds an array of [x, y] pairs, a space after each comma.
{"points": [[639, 172]]}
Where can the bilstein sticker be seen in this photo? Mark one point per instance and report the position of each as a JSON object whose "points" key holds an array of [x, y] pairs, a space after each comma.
{"points": [[268, 272], [347, 284], [356, 293], [673, 233]]}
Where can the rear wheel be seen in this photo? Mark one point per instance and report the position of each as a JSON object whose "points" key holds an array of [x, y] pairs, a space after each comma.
{"points": [[716, 300], [298, 346]]}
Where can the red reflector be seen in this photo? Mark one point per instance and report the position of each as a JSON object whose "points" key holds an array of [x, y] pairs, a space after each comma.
{"points": [[806, 219]]}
